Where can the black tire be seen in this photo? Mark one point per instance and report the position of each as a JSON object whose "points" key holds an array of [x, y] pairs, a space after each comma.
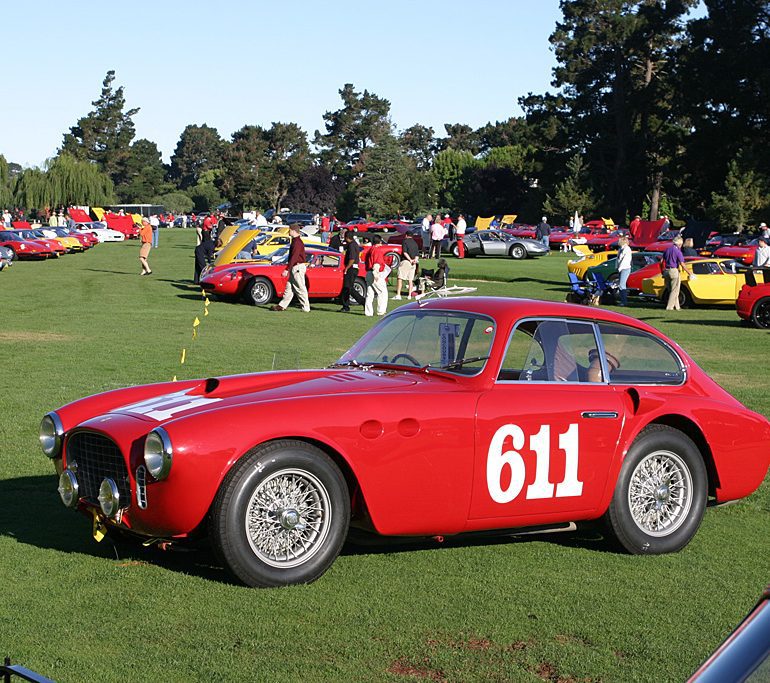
{"points": [[14, 255], [760, 314], [518, 252], [614, 277], [455, 250], [685, 298], [393, 259], [261, 291], [678, 495], [312, 537], [359, 286]]}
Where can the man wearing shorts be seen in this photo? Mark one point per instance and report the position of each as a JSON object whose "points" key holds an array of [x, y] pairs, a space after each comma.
{"points": [[408, 266]]}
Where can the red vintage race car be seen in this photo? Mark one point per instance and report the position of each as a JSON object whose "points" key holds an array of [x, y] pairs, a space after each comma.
{"points": [[24, 249], [740, 252], [359, 225], [450, 416], [753, 302]]}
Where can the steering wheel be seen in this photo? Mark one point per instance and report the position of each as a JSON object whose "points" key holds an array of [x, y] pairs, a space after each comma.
{"points": [[409, 357]]}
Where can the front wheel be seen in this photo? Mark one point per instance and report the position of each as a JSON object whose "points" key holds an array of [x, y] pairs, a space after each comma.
{"points": [[261, 291], [760, 316], [281, 515], [660, 494], [359, 287], [393, 259], [518, 252]]}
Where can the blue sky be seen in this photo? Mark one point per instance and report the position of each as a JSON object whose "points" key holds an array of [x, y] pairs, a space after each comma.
{"points": [[238, 62]]}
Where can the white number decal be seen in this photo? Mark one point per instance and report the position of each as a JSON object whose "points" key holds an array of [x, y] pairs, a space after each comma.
{"points": [[540, 444], [166, 406]]}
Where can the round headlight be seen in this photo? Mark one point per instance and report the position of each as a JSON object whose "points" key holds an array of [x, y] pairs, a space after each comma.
{"points": [[109, 498], [51, 433], [68, 488], [158, 453]]}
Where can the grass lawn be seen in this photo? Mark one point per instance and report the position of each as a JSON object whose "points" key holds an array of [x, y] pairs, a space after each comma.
{"points": [[548, 608]]}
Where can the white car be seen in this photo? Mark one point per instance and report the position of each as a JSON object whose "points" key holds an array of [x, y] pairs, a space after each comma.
{"points": [[101, 231]]}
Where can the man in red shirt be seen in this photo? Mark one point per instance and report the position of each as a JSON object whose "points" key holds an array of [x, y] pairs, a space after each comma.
{"points": [[295, 271], [325, 228]]}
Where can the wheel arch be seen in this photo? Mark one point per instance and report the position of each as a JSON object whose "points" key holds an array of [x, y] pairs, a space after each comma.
{"points": [[690, 429]]}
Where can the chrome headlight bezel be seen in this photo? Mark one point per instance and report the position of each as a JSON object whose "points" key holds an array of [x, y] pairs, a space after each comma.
{"points": [[109, 497], [51, 435], [69, 489], [158, 453]]}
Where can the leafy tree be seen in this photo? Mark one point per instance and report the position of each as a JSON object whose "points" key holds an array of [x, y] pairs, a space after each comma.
{"points": [[745, 194], [385, 185], [419, 142], [200, 149], [288, 156], [205, 193], [247, 178], [511, 132], [573, 193], [314, 190], [176, 202], [6, 184], [64, 181], [104, 135], [144, 173], [351, 130], [460, 137], [450, 173]]}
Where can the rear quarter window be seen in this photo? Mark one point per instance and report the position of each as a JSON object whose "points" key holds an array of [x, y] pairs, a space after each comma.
{"points": [[642, 357]]}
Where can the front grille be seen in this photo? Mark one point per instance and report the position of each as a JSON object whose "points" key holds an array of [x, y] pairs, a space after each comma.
{"points": [[96, 457]]}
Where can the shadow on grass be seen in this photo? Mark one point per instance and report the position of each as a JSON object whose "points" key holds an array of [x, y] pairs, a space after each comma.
{"points": [[115, 272]]}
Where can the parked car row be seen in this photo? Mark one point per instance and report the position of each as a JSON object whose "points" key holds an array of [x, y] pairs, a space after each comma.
{"points": [[45, 242]]}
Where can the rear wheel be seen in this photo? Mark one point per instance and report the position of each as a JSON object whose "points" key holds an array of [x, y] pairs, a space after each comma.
{"points": [[660, 494], [518, 252], [760, 316], [393, 259], [261, 291]]}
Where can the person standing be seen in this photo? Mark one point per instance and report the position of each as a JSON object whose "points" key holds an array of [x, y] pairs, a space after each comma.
{"points": [[259, 220], [688, 249], [543, 232], [408, 266], [375, 279], [425, 234], [762, 254], [53, 221], [666, 224], [624, 268], [295, 271], [155, 225], [145, 237], [206, 228], [437, 234], [204, 254], [325, 228], [764, 231], [672, 262], [460, 229], [633, 226], [350, 263]]}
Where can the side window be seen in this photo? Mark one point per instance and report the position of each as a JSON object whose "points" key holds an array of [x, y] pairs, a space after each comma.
{"points": [[705, 268], [639, 358], [330, 261], [552, 351]]}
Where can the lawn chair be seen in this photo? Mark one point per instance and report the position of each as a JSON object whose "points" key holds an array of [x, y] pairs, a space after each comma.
{"points": [[582, 293], [606, 291]]}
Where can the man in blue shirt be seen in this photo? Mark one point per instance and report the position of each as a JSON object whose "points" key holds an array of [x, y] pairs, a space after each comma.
{"points": [[672, 261]]}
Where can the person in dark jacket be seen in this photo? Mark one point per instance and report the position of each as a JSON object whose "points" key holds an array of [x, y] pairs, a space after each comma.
{"points": [[350, 262], [295, 271], [204, 254], [543, 232]]}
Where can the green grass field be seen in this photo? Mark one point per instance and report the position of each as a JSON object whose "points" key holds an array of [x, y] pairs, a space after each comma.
{"points": [[542, 608]]}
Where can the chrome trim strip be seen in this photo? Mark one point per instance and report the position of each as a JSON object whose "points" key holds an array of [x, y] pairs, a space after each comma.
{"points": [[602, 414]]}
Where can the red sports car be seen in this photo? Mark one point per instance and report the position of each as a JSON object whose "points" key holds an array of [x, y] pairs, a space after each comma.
{"points": [[56, 248], [261, 282], [753, 302], [450, 416], [359, 225], [24, 249], [740, 252]]}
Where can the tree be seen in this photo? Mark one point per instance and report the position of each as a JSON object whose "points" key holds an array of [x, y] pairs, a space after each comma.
{"points": [[450, 173], [460, 137], [205, 194], [386, 183], [288, 156], [176, 202], [314, 190], [573, 193], [419, 142], [351, 130], [144, 174], [104, 135], [513, 131], [247, 178], [64, 181], [745, 193], [200, 149], [6, 184]]}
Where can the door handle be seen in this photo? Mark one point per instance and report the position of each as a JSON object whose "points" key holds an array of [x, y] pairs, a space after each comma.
{"points": [[601, 414]]}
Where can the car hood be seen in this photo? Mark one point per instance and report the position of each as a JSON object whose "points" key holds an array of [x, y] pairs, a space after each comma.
{"points": [[219, 393]]}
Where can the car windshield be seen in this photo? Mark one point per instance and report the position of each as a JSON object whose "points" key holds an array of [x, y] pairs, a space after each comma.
{"points": [[453, 341]]}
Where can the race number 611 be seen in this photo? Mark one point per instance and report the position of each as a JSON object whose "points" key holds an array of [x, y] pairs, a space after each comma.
{"points": [[540, 444]]}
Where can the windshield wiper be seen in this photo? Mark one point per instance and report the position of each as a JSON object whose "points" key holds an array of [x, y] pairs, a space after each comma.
{"points": [[345, 364], [458, 363]]}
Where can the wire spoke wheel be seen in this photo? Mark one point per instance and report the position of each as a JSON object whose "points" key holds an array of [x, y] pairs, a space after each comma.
{"points": [[288, 518], [660, 493]]}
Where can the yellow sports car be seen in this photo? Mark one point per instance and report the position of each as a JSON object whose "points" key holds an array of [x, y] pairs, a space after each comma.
{"points": [[249, 240], [587, 259], [703, 282]]}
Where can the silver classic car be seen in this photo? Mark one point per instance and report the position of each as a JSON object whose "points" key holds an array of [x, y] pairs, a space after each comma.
{"points": [[498, 243]]}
